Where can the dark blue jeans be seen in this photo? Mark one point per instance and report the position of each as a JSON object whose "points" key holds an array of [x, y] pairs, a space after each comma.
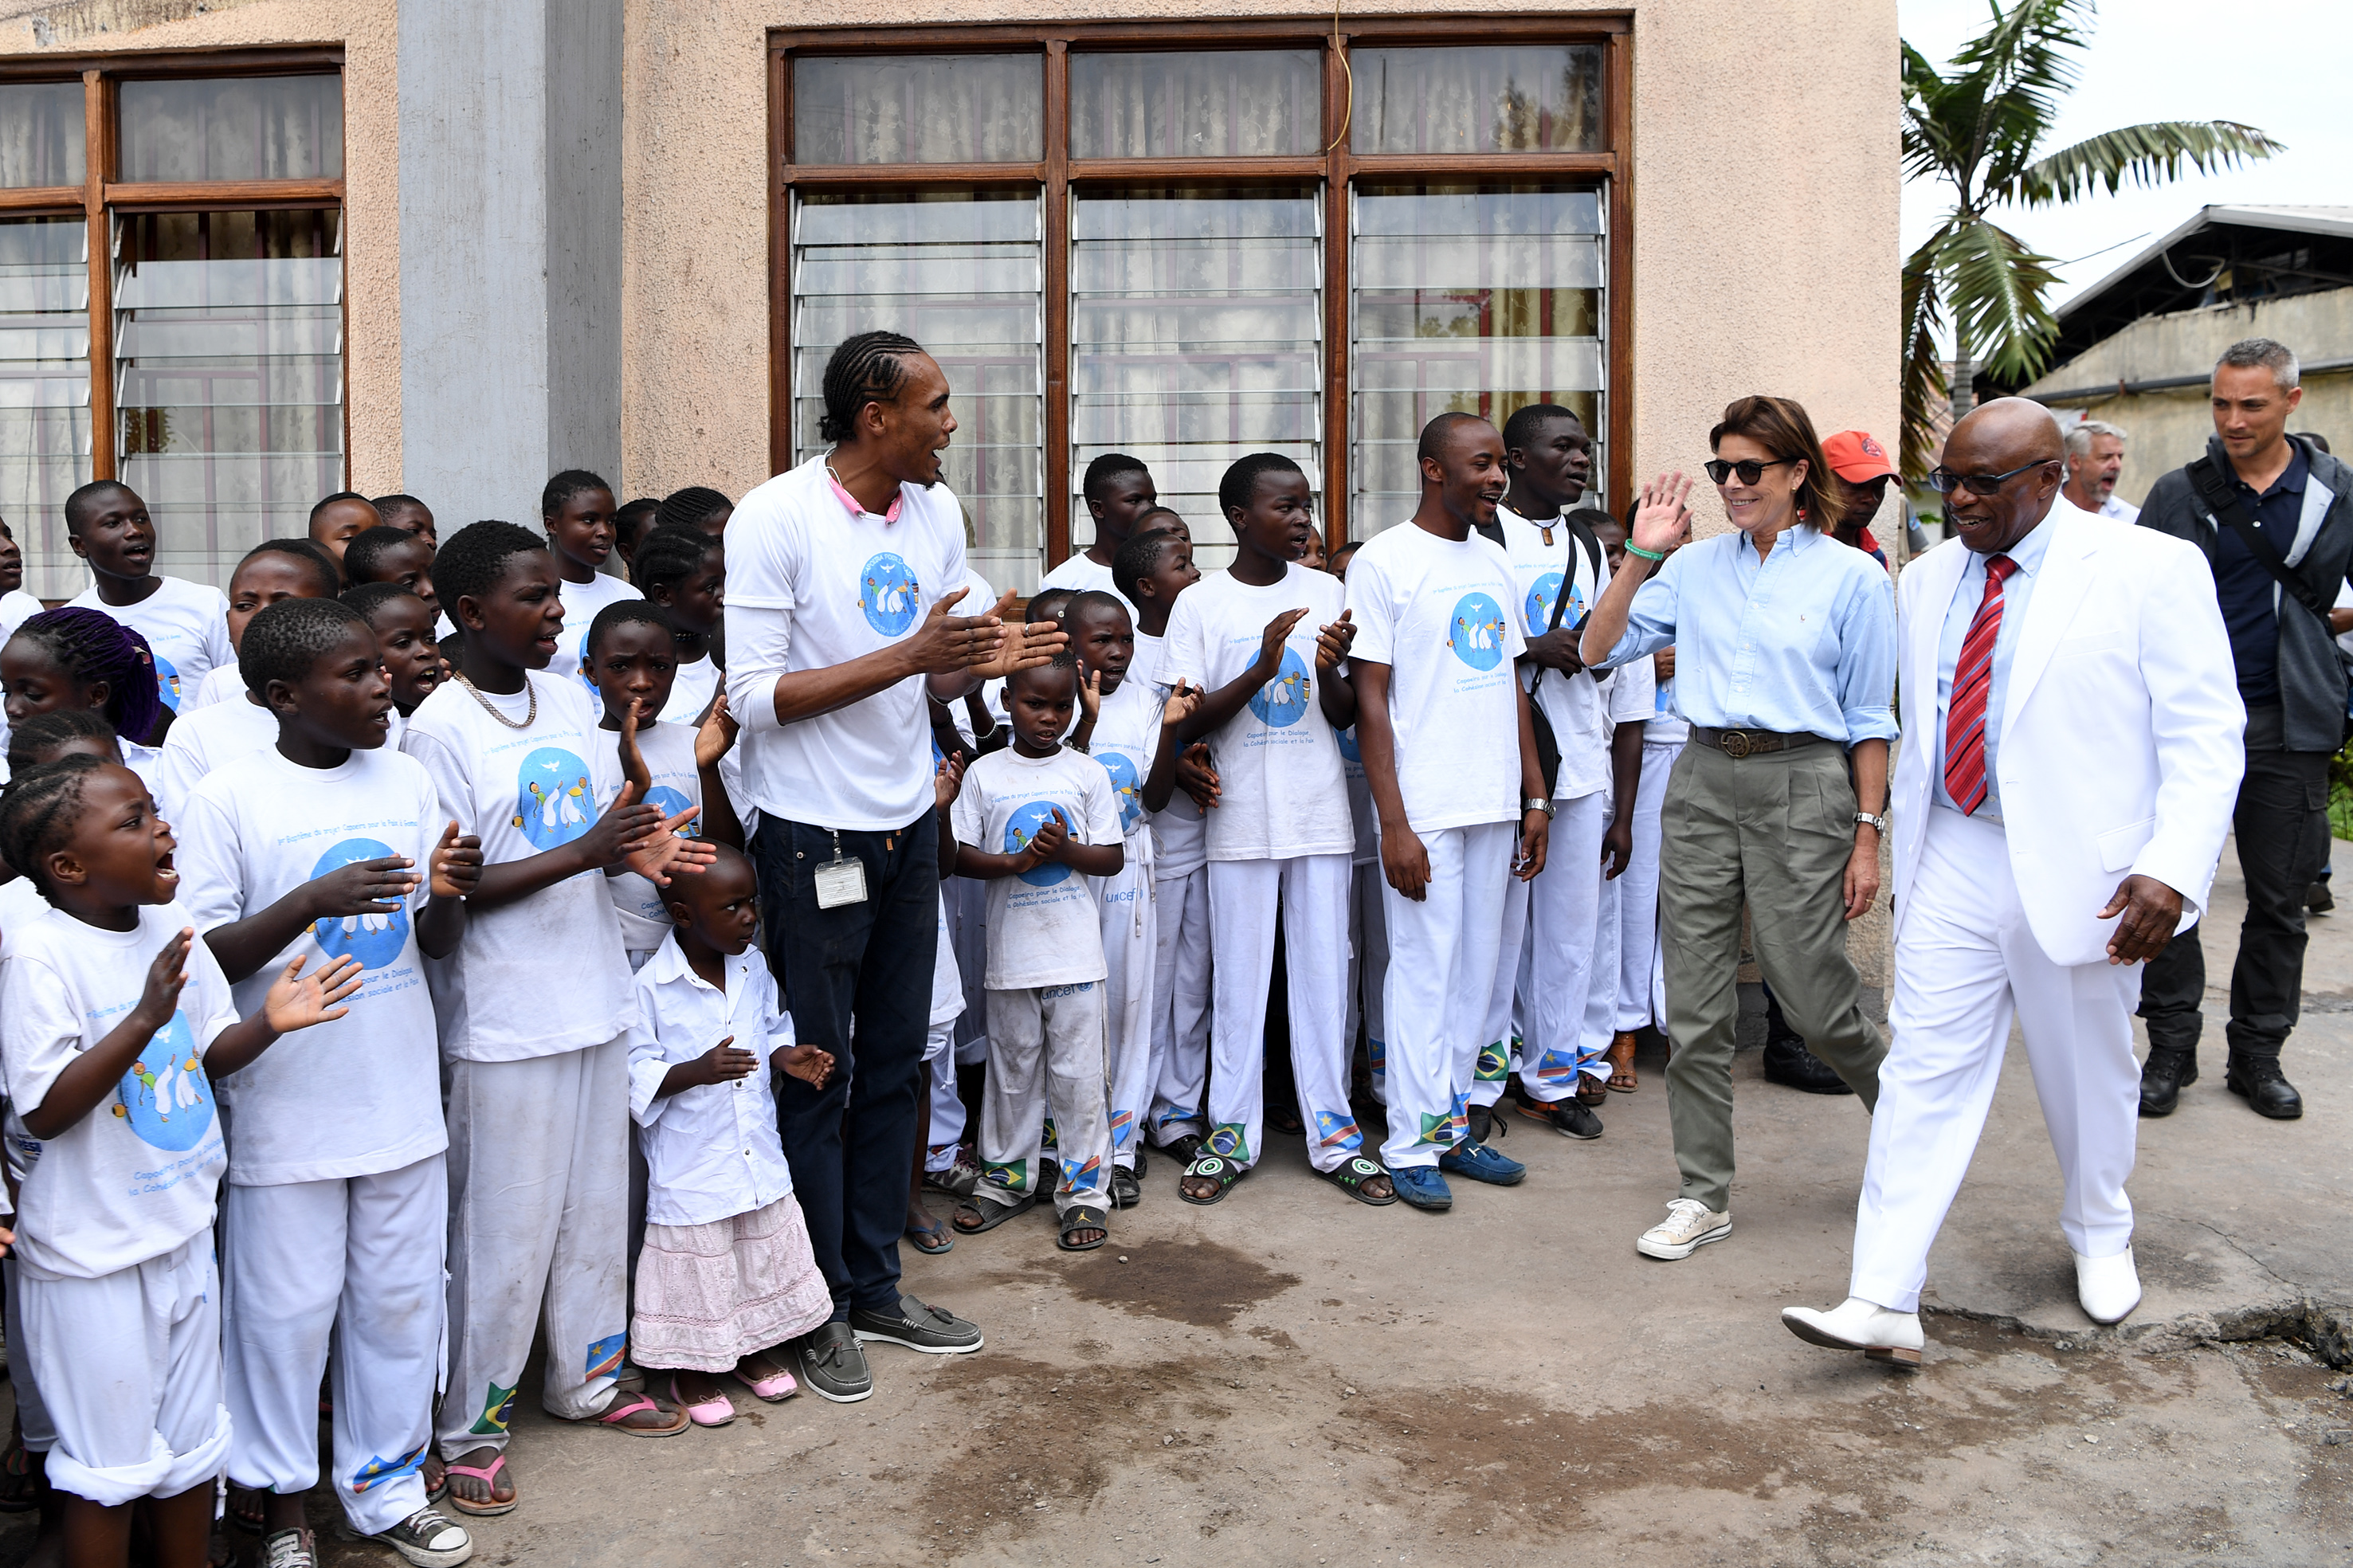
{"points": [[851, 1144]]}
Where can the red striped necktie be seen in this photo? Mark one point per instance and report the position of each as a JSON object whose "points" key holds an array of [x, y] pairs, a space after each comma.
{"points": [[1965, 715]]}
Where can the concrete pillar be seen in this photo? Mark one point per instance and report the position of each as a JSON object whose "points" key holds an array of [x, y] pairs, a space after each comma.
{"points": [[510, 250]]}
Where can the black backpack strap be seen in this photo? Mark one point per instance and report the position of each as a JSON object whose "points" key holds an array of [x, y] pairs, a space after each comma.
{"points": [[2225, 506]]}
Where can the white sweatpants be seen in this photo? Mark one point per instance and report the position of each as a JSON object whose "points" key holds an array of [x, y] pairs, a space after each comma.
{"points": [[1180, 1004], [130, 1369], [1046, 1057], [947, 1106], [1601, 994], [1564, 926], [1967, 963], [1442, 962], [1126, 906], [1499, 1034], [358, 1262], [32, 1416], [538, 1228], [1313, 893], [1638, 891], [1368, 968]]}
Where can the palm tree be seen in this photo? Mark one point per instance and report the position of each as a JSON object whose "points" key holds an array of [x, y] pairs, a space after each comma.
{"points": [[1976, 130]]}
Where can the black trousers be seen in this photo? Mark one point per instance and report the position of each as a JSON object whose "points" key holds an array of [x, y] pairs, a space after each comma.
{"points": [[853, 1153], [2281, 822]]}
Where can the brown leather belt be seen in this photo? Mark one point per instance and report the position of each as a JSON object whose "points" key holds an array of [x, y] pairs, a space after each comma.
{"points": [[1738, 743]]}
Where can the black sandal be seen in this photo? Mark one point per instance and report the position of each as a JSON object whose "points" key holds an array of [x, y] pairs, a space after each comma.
{"points": [[1127, 1186], [1081, 1217], [1213, 1168], [1351, 1174], [1183, 1147], [990, 1214]]}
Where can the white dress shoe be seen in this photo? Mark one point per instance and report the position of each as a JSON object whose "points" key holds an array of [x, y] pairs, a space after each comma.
{"points": [[1859, 1325], [2109, 1288]]}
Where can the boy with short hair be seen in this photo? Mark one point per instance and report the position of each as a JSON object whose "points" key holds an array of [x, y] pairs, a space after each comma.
{"points": [[403, 625], [577, 509], [1035, 820], [339, 519], [408, 513], [337, 1223], [388, 554], [185, 624], [1118, 491]]}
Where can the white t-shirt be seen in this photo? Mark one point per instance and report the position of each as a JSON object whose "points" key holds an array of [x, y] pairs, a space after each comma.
{"points": [[814, 581], [186, 628], [1432, 610], [16, 606], [713, 1151], [218, 686], [1632, 694], [1576, 705], [1042, 929], [581, 602], [1126, 737], [691, 691], [1180, 830], [546, 973], [137, 1176], [1079, 575], [947, 979], [1281, 789], [669, 751], [204, 739], [360, 1095], [1667, 727]]}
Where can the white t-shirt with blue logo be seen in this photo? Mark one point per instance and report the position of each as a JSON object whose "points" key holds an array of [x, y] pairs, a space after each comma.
{"points": [[1126, 737], [360, 1095], [669, 751], [1432, 609], [1180, 830], [547, 974], [1576, 705], [137, 1176], [1042, 925], [1281, 789], [186, 628], [581, 602]]}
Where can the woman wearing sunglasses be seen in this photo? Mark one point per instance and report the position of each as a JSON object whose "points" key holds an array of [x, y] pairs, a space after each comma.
{"points": [[1785, 663]]}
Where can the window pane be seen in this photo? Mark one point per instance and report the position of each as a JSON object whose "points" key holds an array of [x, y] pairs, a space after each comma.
{"points": [[43, 392], [1472, 299], [919, 109], [233, 128], [960, 272], [42, 134], [229, 364], [1542, 99], [1233, 103], [1196, 336]]}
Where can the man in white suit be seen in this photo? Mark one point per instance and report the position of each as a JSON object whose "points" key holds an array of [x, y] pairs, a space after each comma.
{"points": [[2072, 753]]}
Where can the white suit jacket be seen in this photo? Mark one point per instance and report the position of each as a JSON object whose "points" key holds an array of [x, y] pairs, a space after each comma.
{"points": [[2122, 737]]}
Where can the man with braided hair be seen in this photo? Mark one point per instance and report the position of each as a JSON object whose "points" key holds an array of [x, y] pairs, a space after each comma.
{"points": [[845, 577]]}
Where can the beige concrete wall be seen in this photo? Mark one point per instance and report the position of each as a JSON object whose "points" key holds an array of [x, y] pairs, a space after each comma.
{"points": [[366, 29], [2169, 429]]}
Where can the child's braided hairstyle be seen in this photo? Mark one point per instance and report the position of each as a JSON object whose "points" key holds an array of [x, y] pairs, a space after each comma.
{"points": [[92, 646], [669, 557], [30, 743], [691, 507], [37, 813]]}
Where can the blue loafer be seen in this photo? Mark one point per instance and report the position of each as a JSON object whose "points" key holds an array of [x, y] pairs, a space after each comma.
{"points": [[1482, 1163], [1423, 1187]]}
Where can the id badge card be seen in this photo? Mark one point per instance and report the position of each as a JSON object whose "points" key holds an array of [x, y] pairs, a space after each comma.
{"points": [[840, 881]]}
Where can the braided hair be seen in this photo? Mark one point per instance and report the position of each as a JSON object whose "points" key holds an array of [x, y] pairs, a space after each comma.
{"points": [[691, 507], [30, 743], [669, 557], [868, 368], [92, 646], [37, 814]]}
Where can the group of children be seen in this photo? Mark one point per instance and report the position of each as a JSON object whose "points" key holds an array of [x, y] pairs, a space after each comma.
{"points": [[394, 884]]}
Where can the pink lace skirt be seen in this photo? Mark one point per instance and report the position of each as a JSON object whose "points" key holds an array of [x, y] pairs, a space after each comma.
{"points": [[709, 1295]]}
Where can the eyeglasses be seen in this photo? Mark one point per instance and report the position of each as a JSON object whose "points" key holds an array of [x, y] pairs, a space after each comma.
{"points": [[1750, 472], [1944, 481]]}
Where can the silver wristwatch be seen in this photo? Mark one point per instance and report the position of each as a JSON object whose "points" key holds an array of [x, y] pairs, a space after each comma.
{"points": [[1876, 821], [1533, 803]]}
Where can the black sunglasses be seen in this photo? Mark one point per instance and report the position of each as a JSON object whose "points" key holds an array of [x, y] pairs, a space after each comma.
{"points": [[1944, 481], [1750, 471]]}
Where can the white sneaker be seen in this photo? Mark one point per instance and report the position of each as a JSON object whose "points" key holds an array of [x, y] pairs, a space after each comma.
{"points": [[1690, 1225], [1855, 1324], [2109, 1288]]}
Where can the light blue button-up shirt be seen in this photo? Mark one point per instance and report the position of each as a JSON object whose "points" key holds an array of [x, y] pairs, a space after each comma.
{"points": [[1968, 594], [1803, 640]]}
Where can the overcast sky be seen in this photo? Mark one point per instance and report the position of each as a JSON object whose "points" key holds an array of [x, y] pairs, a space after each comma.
{"points": [[2266, 63]]}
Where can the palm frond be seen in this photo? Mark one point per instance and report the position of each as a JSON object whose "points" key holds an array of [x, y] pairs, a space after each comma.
{"points": [[1924, 386], [2154, 155], [1995, 286]]}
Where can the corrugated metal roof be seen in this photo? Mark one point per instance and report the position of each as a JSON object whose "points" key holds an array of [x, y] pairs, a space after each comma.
{"points": [[2335, 221]]}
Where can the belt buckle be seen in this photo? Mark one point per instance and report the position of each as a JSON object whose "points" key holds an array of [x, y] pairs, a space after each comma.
{"points": [[1736, 743]]}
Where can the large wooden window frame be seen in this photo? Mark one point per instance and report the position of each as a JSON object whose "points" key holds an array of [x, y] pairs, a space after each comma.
{"points": [[1056, 173], [100, 197]]}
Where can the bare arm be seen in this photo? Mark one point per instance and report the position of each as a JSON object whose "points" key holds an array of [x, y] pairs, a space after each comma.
{"points": [[1404, 860], [1660, 523], [1227, 701], [1862, 879]]}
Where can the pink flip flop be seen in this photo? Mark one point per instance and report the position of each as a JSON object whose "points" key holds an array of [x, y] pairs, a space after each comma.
{"points": [[489, 1475], [625, 1405], [715, 1411], [772, 1389]]}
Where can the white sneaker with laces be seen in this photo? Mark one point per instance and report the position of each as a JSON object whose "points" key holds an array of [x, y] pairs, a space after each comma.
{"points": [[2109, 1288], [1690, 1225], [1855, 1324], [427, 1538]]}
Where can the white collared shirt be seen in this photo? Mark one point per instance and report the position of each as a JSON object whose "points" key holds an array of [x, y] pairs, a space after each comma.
{"points": [[713, 1150]]}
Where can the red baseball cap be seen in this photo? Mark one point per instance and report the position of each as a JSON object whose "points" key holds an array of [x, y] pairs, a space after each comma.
{"points": [[1856, 458]]}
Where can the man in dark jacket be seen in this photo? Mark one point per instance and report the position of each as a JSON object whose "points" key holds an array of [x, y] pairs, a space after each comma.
{"points": [[2273, 514]]}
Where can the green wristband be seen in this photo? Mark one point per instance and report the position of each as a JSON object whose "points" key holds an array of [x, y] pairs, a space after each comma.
{"points": [[1634, 549]]}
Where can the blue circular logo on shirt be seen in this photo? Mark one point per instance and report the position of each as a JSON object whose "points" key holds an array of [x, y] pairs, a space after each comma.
{"points": [[166, 1097], [1125, 786], [1537, 610], [552, 797], [887, 592], [1477, 633], [375, 940], [1022, 827], [167, 680], [1348, 745], [670, 803], [1281, 701]]}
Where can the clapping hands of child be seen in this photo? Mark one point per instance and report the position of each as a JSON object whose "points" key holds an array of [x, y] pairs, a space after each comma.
{"points": [[715, 734], [1047, 844], [1183, 701], [727, 1063], [806, 1063], [947, 780], [661, 852], [297, 1001], [1197, 776], [1090, 697], [160, 997], [1332, 642], [365, 888], [456, 864], [1269, 649]]}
